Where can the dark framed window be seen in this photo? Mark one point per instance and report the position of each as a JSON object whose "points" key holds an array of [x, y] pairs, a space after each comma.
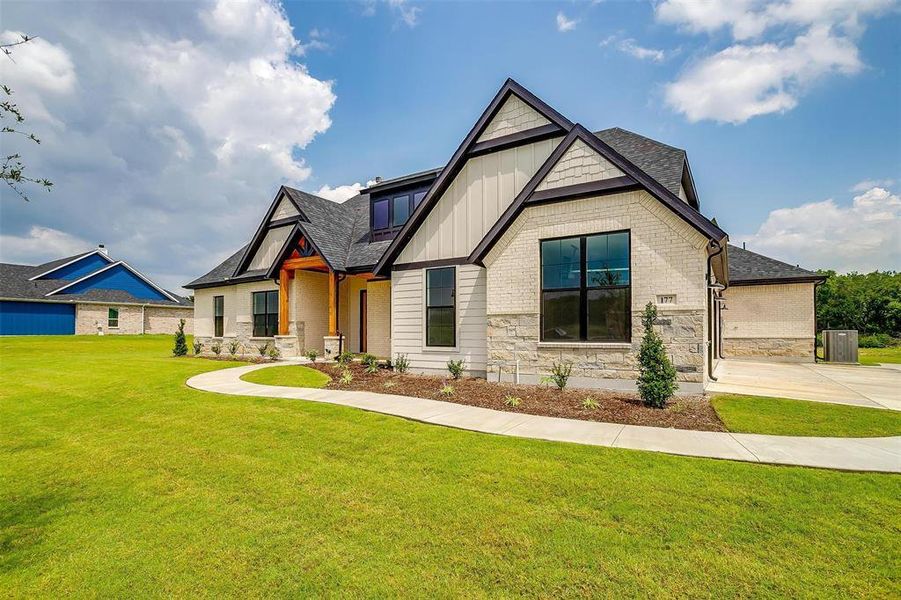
{"points": [[388, 214], [440, 317], [586, 288], [112, 317], [265, 314], [218, 315], [400, 210]]}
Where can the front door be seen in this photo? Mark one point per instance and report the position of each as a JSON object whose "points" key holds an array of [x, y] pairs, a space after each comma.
{"points": [[362, 320]]}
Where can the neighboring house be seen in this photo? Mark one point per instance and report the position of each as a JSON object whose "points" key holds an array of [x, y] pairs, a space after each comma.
{"points": [[538, 242], [86, 294]]}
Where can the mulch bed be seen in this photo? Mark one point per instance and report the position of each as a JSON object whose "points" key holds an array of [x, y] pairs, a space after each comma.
{"points": [[683, 412]]}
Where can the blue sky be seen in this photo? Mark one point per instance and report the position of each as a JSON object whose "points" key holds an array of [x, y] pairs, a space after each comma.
{"points": [[790, 112]]}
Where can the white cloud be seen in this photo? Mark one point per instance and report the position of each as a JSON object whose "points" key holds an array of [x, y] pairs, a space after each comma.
{"points": [[342, 192], [564, 24], [863, 236], [866, 184], [168, 127], [630, 47], [40, 244], [752, 78], [406, 12]]}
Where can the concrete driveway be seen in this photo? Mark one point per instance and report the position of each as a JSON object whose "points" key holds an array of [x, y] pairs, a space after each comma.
{"points": [[876, 387]]}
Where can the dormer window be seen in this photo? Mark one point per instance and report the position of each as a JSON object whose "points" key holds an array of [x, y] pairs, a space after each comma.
{"points": [[392, 209]]}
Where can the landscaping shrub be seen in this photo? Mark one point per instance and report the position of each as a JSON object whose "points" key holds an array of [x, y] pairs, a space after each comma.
{"points": [[263, 349], [181, 342], [216, 347], [372, 368], [447, 390], [877, 340], [512, 401], [401, 363], [346, 377], [198, 348], [560, 373], [590, 403], [273, 353], [455, 367], [345, 358], [657, 376], [370, 362], [233, 347], [312, 354]]}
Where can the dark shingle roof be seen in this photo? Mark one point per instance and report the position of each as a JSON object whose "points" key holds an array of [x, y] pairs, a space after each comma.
{"points": [[746, 267], [341, 231], [662, 162], [15, 285]]}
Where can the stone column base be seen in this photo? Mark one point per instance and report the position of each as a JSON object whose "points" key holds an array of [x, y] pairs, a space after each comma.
{"points": [[332, 344], [287, 345]]}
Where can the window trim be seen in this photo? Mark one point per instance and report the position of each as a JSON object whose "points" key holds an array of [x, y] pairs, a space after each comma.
{"points": [[219, 320], [253, 315], [110, 319], [425, 311], [583, 290], [391, 230]]}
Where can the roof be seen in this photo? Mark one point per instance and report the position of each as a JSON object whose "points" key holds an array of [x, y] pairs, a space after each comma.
{"points": [[662, 162], [15, 284], [747, 268]]}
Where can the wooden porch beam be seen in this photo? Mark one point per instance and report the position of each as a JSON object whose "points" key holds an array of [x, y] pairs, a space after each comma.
{"points": [[283, 286], [332, 303], [307, 262]]}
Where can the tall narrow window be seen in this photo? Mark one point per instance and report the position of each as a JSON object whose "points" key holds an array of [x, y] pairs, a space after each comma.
{"points": [[417, 198], [112, 318], [586, 289], [400, 210], [265, 314], [440, 289], [218, 315], [380, 214]]}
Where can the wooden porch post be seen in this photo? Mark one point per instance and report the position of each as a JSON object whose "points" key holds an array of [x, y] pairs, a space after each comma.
{"points": [[332, 303], [283, 285]]}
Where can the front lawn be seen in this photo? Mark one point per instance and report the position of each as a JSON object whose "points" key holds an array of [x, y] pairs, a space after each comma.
{"points": [[874, 356], [781, 416], [290, 375], [118, 480]]}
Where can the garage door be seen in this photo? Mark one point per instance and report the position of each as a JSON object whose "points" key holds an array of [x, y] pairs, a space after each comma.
{"points": [[36, 318]]}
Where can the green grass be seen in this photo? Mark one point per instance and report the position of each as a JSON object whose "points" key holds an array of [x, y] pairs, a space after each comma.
{"points": [[874, 356], [781, 416], [117, 480], [292, 375]]}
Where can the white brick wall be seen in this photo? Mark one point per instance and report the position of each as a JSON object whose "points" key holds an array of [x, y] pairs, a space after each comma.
{"points": [[769, 311], [579, 164], [514, 116], [156, 320], [379, 318]]}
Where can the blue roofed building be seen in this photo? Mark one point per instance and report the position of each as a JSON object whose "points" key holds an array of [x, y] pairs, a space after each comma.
{"points": [[86, 294]]}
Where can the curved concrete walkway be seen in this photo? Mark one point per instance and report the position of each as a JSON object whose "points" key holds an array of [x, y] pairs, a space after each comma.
{"points": [[856, 454]]}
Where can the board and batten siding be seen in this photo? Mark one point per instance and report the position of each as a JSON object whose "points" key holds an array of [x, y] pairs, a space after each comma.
{"points": [[269, 248], [479, 194], [408, 321]]}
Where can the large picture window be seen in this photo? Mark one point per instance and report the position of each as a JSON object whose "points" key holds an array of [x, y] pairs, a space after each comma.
{"points": [[265, 314], [218, 315], [440, 290], [586, 293]]}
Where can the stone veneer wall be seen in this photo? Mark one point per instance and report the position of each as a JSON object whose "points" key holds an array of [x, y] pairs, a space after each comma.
{"points": [[156, 319], [668, 257], [769, 321]]}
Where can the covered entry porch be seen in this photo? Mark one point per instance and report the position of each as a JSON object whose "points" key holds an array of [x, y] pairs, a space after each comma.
{"points": [[330, 311]]}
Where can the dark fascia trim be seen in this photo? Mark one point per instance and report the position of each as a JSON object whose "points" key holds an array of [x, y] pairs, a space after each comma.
{"points": [[400, 182], [288, 246], [456, 162], [264, 227], [529, 136], [690, 189], [614, 185], [430, 264], [778, 280], [224, 282], [675, 203]]}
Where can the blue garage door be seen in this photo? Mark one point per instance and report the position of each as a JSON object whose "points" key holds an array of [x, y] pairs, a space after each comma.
{"points": [[36, 318]]}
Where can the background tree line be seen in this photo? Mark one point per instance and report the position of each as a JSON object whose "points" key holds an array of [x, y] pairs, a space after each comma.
{"points": [[869, 303]]}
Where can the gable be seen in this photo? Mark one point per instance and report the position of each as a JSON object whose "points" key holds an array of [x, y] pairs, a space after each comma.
{"points": [[472, 203], [579, 164], [513, 116], [116, 277], [78, 268], [284, 209], [269, 248]]}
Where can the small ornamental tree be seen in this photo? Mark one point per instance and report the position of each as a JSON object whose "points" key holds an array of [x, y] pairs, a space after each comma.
{"points": [[181, 343], [657, 378]]}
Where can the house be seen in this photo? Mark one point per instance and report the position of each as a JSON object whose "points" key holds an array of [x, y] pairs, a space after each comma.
{"points": [[538, 242], [86, 294]]}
